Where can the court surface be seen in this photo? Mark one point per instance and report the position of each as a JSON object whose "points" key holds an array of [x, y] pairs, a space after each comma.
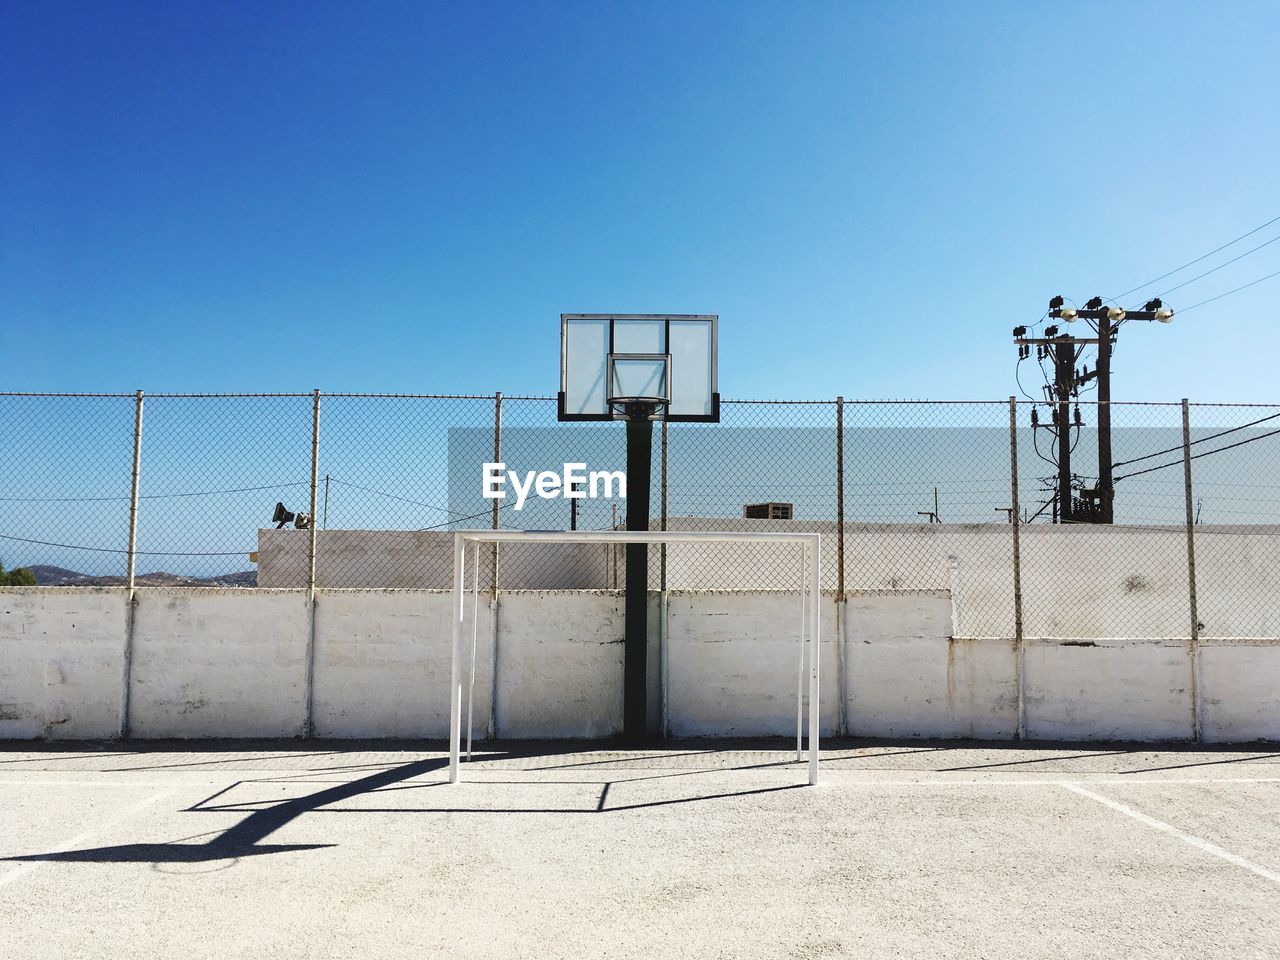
{"points": [[693, 849]]}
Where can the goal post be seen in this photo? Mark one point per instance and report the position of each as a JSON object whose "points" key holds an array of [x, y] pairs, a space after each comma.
{"points": [[810, 570]]}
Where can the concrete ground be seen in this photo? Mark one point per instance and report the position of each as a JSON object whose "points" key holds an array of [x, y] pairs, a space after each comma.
{"points": [[694, 849]]}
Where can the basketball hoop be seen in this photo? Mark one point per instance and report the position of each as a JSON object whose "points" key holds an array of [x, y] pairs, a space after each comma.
{"points": [[638, 368], [655, 367]]}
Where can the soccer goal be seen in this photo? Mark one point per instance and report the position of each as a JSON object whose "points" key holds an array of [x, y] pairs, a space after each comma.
{"points": [[808, 635]]}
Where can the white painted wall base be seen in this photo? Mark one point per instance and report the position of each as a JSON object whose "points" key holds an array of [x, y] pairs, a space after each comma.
{"points": [[219, 663], [232, 663], [61, 656], [909, 677]]}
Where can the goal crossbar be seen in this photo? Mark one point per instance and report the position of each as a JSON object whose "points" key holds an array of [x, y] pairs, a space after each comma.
{"points": [[810, 620]]}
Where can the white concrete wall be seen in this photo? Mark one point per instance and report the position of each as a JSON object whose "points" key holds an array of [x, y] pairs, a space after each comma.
{"points": [[423, 560], [560, 664], [219, 663], [382, 664], [232, 663], [1136, 583], [907, 674], [1078, 581], [1108, 690], [61, 650], [1240, 691], [734, 662]]}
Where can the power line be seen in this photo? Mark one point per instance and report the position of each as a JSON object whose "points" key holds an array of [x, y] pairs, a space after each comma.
{"points": [[483, 513], [1212, 436], [1220, 266], [150, 496], [140, 553], [228, 553], [1192, 263], [212, 493], [1230, 292], [392, 496], [1175, 463]]}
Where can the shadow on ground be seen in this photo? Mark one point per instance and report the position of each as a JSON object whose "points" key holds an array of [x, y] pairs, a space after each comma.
{"points": [[246, 838]]}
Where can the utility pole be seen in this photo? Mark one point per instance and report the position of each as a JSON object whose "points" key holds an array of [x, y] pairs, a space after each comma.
{"points": [[1106, 489], [1105, 321], [1064, 360], [1062, 350]]}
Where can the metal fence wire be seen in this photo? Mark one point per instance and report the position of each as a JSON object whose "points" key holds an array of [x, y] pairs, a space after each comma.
{"points": [[240, 490]]}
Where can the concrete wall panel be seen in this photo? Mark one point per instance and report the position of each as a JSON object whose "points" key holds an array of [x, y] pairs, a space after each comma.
{"points": [[231, 663], [383, 662], [734, 664], [1240, 692], [219, 663], [560, 664], [61, 661], [1134, 690], [908, 677]]}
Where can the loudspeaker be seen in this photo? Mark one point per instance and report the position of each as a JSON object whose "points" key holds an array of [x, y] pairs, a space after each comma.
{"points": [[281, 516]]}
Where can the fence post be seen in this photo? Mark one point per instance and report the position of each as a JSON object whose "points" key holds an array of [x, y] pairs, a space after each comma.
{"points": [[308, 724], [842, 607], [131, 567], [1015, 519], [840, 499], [491, 730], [664, 660], [1196, 719]]}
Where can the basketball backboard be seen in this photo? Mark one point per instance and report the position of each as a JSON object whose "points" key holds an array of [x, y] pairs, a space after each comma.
{"points": [[668, 361]]}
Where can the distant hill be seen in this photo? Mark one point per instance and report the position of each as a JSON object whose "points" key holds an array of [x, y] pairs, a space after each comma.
{"points": [[49, 576]]}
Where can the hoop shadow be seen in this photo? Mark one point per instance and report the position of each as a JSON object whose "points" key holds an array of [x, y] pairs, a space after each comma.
{"points": [[243, 839]]}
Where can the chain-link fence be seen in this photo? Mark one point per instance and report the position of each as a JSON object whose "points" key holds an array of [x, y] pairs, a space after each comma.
{"points": [[362, 491]]}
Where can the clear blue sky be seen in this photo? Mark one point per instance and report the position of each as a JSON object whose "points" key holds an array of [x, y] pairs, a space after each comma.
{"points": [[404, 196]]}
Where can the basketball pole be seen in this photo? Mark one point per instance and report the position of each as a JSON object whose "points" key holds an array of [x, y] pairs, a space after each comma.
{"points": [[635, 661]]}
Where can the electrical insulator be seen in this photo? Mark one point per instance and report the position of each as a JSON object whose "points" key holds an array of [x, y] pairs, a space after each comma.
{"points": [[1035, 417], [1079, 422]]}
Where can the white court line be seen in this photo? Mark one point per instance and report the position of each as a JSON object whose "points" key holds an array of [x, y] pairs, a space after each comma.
{"points": [[852, 778], [106, 783], [76, 841], [1195, 841]]}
